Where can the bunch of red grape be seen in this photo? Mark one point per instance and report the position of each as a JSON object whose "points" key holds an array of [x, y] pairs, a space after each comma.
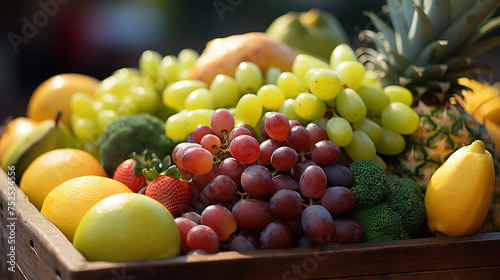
{"points": [[291, 189]]}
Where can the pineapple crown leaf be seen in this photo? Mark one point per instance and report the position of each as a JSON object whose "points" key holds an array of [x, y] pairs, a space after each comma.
{"points": [[489, 26], [420, 34]]}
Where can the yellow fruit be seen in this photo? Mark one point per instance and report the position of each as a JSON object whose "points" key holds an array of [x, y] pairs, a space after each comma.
{"points": [[489, 110], [52, 168], [478, 94], [127, 227], [54, 94], [460, 192], [14, 130], [494, 131], [66, 204]]}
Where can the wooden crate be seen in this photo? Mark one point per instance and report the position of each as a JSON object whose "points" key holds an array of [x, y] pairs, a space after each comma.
{"points": [[43, 252]]}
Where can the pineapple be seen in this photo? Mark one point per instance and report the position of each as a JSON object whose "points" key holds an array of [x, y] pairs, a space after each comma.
{"points": [[427, 48]]}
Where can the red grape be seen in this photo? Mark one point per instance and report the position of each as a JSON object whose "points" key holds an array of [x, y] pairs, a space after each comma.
{"points": [[276, 235], [245, 148], [200, 131], [277, 126], [313, 182], [325, 152], [247, 240], [252, 214], [300, 167], [347, 231], [237, 132], [338, 175], [211, 143], [223, 187], [193, 216], [256, 180], [298, 138], [197, 160], [249, 127], [286, 203], [201, 180], [317, 224], [222, 122], [202, 237], [178, 150], [267, 147], [232, 168], [338, 200], [317, 132], [284, 158], [295, 123], [184, 225], [283, 181], [220, 220]]}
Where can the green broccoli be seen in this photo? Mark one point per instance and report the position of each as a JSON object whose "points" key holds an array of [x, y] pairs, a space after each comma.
{"points": [[406, 198], [380, 223], [370, 186], [133, 133]]}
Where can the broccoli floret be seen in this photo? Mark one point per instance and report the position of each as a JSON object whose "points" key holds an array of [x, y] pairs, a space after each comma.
{"points": [[370, 186], [406, 198], [380, 223], [133, 133]]}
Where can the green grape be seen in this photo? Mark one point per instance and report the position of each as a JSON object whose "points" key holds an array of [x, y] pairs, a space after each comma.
{"points": [[380, 162], [374, 98], [303, 62], [130, 105], [289, 84], [201, 98], [341, 53], [104, 117], [272, 75], [187, 57], [147, 99], [391, 143], [149, 63], [131, 74], [86, 129], [248, 110], [184, 74], [271, 96], [197, 117], [175, 94], [225, 91], [322, 121], [82, 105], [339, 130], [351, 73], [361, 146], [372, 78], [169, 69], [350, 106], [109, 101], [287, 109], [324, 83], [112, 85], [309, 107], [400, 117], [371, 128], [176, 126], [399, 93], [248, 76]]}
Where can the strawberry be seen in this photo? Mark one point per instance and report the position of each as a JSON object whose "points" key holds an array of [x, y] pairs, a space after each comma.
{"points": [[126, 173], [174, 193]]}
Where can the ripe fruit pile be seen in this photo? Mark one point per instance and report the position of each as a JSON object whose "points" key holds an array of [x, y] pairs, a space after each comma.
{"points": [[289, 190], [358, 115]]}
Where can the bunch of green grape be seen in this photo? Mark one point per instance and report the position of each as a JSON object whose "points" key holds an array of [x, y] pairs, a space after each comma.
{"points": [[360, 115], [129, 91]]}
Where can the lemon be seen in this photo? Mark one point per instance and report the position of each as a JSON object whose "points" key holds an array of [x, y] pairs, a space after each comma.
{"points": [[54, 94], [127, 227], [66, 204], [460, 191], [52, 168]]}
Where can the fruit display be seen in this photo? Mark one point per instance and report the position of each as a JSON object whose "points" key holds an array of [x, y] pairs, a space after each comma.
{"points": [[261, 142]]}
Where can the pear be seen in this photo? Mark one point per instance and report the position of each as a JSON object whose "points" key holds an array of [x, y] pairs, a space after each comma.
{"points": [[315, 32], [46, 136]]}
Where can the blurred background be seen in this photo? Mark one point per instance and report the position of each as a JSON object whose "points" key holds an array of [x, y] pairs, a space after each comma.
{"points": [[99, 37]]}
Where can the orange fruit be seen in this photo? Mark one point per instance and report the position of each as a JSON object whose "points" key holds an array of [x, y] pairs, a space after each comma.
{"points": [[54, 94], [460, 191], [66, 204], [52, 168], [14, 130], [127, 227]]}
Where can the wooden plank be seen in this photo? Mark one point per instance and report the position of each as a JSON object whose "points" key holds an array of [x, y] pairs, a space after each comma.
{"points": [[45, 253]]}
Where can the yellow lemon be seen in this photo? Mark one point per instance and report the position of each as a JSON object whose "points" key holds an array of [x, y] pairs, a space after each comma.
{"points": [[459, 193], [66, 204], [127, 227], [52, 168], [54, 94]]}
